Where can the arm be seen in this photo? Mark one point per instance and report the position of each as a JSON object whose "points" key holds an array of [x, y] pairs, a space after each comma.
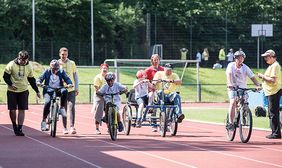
{"points": [[75, 81], [32, 82], [7, 79], [255, 81], [266, 78]]}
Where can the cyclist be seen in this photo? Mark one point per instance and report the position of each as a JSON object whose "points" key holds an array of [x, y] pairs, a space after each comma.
{"points": [[18, 73], [236, 76], [112, 87], [54, 77], [170, 88], [98, 102], [141, 86]]}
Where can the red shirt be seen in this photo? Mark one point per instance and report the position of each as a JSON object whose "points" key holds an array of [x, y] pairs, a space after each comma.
{"points": [[150, 71]]}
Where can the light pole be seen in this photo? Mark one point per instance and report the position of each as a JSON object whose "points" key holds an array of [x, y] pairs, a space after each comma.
{"points": [[33, 30], [92, 34]]}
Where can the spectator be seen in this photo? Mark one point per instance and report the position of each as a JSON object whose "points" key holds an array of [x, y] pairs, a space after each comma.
{"points": [[99, 102], [221, 57], [206, 56], [199, 56], [70, 68], [271, 84], [217, 65], [18, 73], [230, 56]]}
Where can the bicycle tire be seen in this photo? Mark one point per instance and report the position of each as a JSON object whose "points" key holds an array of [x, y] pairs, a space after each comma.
{"points": [[245, 124], [54, 117], [163, 123], [112, 121], [126, 119], [230, 134], [172, 122]]}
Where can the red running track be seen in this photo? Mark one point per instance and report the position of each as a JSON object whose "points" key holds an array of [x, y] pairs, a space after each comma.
{"points": [[195, 145]]}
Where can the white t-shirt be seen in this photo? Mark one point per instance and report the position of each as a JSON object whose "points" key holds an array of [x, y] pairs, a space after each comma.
{"points": [[141, 89], [117, 87], [238, 75]]}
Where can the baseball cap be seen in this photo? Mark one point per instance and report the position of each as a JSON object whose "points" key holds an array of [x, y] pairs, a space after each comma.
{"points": [[168, 66], [268, 53]]}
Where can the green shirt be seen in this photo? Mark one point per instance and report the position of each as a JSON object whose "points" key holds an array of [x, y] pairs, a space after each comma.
{"points": [[19, 75]]}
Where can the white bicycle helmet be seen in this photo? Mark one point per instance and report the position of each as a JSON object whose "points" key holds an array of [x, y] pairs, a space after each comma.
{"points": [[239, 53]]}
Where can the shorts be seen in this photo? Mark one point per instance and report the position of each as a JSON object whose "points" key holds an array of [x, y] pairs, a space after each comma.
{"points": [[143, 99], [17, 100], [232, 94]]}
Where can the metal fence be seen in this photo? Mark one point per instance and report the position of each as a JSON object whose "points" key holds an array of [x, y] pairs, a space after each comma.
{"points": [[197, 33]]}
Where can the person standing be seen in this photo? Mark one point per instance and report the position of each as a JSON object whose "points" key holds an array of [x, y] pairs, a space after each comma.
{"points": [[206, 56], [69, 67], [230, 56], [271, 84], [99, 102], [18, 73], [221, 57]]}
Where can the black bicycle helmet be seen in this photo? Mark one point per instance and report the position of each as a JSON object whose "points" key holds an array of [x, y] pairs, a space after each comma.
{"points": [[110, 76]]}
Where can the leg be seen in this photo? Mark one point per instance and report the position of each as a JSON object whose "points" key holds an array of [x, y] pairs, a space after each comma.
{"points": [[273, 109], [46, 110], [64, 94], [12, 107], [98, 109], [71, 107]]}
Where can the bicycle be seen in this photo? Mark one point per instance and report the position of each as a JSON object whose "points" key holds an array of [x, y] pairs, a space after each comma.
{"points": [[53, 116], [112, 115], [168, 117], [243, 117]]}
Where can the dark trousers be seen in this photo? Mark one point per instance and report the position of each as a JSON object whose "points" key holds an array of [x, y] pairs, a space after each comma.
{"points": [[274, 114]]}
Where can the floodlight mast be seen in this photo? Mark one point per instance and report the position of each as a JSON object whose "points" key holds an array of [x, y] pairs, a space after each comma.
{"points": [[33, 30]]}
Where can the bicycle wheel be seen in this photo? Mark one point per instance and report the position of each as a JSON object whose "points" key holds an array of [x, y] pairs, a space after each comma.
{"points": [[112, 121], [172, 122], [230, 134], [54, 117], [126, 118], [245, 124], [163, 123]]}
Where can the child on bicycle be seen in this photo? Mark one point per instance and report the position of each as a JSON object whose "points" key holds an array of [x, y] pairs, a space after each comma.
{"points": [[110, 88], [141, 86], [53, 77], [237, 74]]}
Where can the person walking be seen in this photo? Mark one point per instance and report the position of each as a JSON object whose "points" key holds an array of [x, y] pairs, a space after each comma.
{"points": [[271, 84], [69, 67], [230, 56], [221, 57], [18, 73], [98, 101]]}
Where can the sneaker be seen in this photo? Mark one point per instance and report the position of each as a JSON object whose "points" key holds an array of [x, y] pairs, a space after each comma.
{"points": [[44, 126], [271, 136], [180, 118], [138, 124], [19, 133], [120, 126], [62, 111], [65, 131], [72, 130], [15, 128], [98, 131], [154, 129]]}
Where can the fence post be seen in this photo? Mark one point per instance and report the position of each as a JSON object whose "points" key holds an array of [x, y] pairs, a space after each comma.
{"points": [[199, 93], [90, 92]]}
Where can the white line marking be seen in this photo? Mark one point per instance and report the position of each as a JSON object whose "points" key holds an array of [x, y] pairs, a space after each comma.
{"points": [[57, 149]]}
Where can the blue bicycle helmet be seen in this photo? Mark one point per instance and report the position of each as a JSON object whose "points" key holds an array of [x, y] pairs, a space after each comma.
{"points": [[110, 76], [54, 64]]}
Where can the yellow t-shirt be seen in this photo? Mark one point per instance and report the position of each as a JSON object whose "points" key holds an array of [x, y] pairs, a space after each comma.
{"points": [[19, 75], [70, 68], [99, 81], [270, 88], [169, 87]]}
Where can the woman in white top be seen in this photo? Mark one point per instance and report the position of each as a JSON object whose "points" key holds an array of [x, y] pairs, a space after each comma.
{"points": [[237, 74]]}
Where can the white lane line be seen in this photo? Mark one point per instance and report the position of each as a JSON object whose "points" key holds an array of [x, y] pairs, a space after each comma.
{"points": [[149, 154], [258, 146], [57, 149]]}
